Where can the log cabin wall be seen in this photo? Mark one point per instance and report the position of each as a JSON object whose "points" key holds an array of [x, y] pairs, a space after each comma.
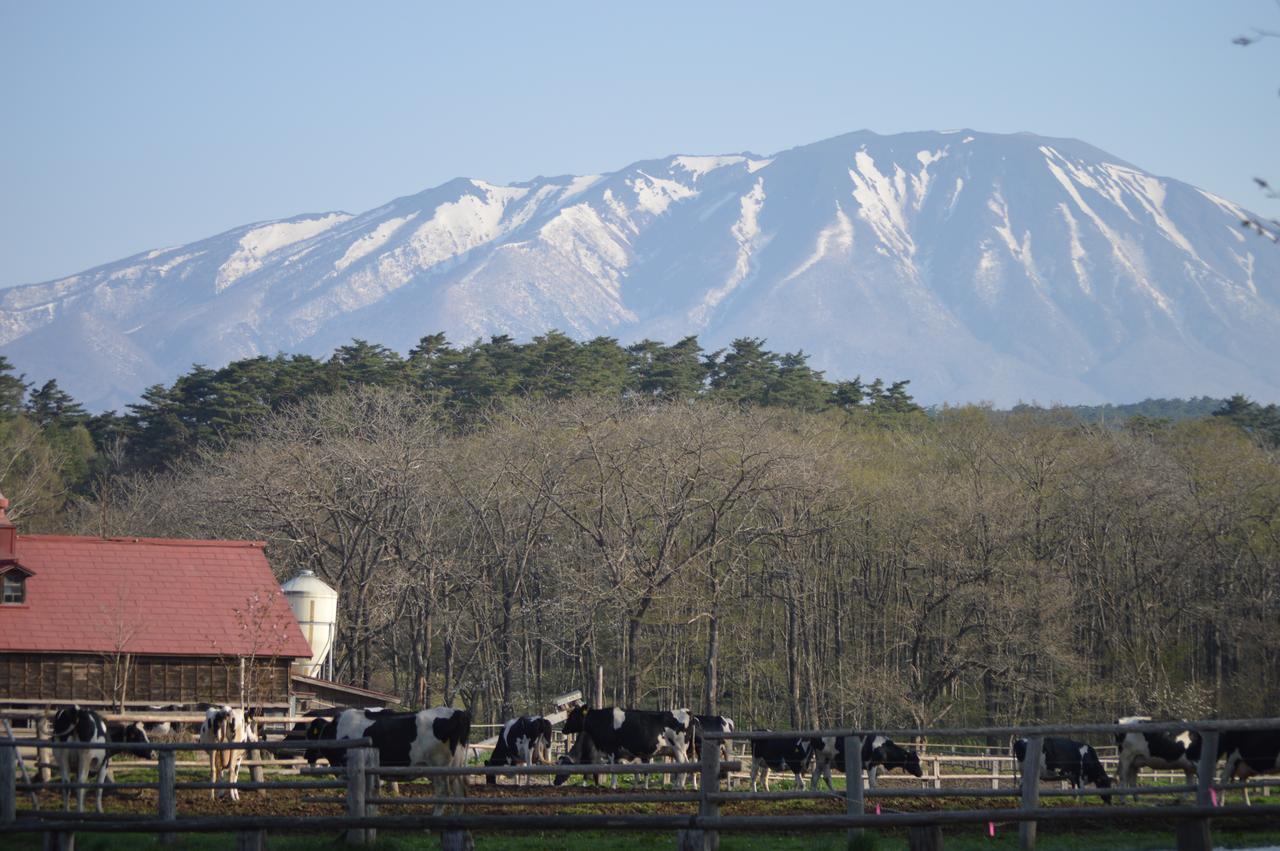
{"points": [[70, 678]]}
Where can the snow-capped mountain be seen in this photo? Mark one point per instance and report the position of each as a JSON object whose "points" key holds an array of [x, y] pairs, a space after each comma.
{"points": [[980, 266]]}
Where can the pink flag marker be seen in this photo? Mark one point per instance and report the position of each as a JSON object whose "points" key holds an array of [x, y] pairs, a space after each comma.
{"points": [[877, 809], [991, 829], [1213, 795]]}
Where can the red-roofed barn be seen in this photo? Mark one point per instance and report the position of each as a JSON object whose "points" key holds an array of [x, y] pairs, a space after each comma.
{"points": [[138, 621]]}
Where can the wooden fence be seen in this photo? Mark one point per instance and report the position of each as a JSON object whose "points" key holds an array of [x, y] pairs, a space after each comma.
{"points": [[360, 781]]}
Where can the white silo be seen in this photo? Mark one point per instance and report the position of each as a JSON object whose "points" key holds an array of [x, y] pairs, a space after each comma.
{"points": [[315, 605]]}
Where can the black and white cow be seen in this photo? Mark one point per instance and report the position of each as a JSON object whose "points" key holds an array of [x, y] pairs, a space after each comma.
{"points": [[431, 737], [225, 724], [716, 724], [324, 726], [164, 728], [877, 752], [582, 752], [1249, 753], [76, 724], [134, 733], [1065, 759], [1161, 751], [783, 753], [523, 741], [617, 734]]}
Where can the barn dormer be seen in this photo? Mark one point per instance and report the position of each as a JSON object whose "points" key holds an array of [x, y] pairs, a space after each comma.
{"points": [[13, 576], [13, 585], [8, 536]]}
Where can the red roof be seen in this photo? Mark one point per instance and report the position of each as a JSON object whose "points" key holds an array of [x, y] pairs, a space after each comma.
{"points": [[149, 596]]}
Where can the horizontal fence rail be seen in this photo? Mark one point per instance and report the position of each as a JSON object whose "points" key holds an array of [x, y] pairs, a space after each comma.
{"points": [[363, 779]]}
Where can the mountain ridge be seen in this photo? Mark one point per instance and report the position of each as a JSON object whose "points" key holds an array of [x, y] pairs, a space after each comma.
{"points": [[985, 267]]}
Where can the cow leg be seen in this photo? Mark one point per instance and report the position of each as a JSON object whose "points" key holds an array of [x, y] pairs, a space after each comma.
{"points": [[213, 773], [644, 761], [871, 776], [82, 774], [64, 768], [103, 770], [233, 774], [1127, 774]]}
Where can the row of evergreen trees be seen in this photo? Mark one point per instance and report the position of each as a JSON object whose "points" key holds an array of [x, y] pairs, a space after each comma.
{"points": [[210, 404]]}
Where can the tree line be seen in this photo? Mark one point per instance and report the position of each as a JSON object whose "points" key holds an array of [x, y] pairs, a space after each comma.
{"points": [[781, 566]]}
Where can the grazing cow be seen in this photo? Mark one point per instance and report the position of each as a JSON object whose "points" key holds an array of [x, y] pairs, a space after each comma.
{"points": [[337, 723], [784, 752], [224, 724], [164, 728], [1065, 759], [582, 752], [432, 737], [1160, 751], [134, 733], [618, 734], [304, 731], [523, 741], [1249, 752], [75, 724], [877, 752]]}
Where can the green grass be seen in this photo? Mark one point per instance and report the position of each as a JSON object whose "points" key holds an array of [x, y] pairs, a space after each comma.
{"points": [[956, 839]]}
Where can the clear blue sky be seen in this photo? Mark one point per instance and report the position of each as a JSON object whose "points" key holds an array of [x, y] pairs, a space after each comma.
{"points": [[134, 125]]}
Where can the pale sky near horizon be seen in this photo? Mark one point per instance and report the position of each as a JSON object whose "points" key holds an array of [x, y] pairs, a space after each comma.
{"points": [[136, 125]]}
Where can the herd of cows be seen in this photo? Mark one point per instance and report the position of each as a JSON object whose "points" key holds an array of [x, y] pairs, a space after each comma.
{"points": [[439, 737]]}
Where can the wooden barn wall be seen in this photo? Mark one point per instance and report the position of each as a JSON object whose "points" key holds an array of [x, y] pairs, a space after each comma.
{"points": [[66, 678]]}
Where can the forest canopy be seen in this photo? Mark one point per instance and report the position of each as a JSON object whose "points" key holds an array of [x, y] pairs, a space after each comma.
{"points": [[727, 531]]}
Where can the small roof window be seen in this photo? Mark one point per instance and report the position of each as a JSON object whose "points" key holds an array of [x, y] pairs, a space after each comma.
{"points": [[13, 588]]}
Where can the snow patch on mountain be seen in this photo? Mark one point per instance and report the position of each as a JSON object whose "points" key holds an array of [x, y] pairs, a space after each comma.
{"points": [[880, 203], [655, 194], [258, 244], [373, 240], [746, 232], [698, 166], [838, 235]]}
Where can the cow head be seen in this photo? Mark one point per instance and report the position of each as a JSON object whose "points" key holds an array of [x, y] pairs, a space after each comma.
{"points": [[911, 763], [576, 720], [319, 730], [136, 735], [1103, 782], [64, 723]]}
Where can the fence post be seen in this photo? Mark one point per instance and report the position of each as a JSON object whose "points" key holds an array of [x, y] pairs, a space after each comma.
{"points": [[355, 761], [995, 774], [1194, 834], [854, 795], [256, 772], [702, 839], [1030, 790], [8, 784], [372, 783], [168, 807], [44, 756], [925, 838], [937, 773]]}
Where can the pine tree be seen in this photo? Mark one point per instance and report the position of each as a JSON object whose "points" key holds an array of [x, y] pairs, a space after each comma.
{"points": [[12, 390]]}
